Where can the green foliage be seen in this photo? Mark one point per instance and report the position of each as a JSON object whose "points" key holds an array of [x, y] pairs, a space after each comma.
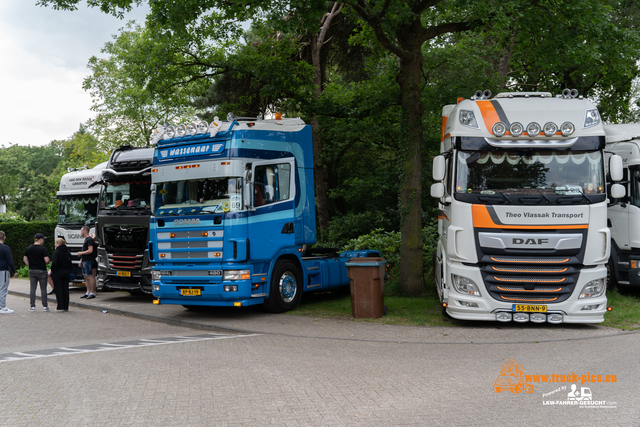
{"points": [[20, 234], [23, 272], [10, 217], [37, 201], [81, 149], [388, 244], [127, 106]]}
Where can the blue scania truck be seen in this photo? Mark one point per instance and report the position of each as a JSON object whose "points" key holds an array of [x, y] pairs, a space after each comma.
{"points": [[233, 212]]}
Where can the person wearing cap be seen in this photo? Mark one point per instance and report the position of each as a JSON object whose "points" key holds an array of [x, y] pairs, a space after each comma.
{"points": [[36, 257], [6, 270]]}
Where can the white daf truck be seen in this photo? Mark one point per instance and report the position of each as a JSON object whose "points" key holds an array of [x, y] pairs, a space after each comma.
{"points": [[522, 225], [624, 213], [78, 206]]}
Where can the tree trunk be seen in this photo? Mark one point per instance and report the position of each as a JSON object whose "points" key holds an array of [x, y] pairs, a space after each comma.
{"points": [[318, 177], [411, 266], [317, 41]]}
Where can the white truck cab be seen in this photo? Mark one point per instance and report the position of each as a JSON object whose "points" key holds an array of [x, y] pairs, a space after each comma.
{"points": [[522, 218], [624, 213]]}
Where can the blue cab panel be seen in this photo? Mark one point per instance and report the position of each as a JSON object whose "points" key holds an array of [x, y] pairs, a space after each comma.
{"points": [[234, 210]]}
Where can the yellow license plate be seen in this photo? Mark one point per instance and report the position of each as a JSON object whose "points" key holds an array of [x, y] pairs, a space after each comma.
{"points": [[123, 273], [530, 308], [190, 292]]}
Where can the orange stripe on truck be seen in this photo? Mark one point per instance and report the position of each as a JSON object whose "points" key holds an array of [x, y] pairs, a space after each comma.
{"points": [[489, 114], [444, 126], [482, 219]]}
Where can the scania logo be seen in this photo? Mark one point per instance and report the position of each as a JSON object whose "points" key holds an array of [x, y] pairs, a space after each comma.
{"points": [[195, 221], [73, 236], [530, 241]]}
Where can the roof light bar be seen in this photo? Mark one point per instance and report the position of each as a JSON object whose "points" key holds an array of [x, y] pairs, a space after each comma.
{"points": [[550, 129], [499, 129]]}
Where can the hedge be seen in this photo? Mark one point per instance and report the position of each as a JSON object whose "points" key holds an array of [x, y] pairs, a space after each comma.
{"points": [[20, 235]]}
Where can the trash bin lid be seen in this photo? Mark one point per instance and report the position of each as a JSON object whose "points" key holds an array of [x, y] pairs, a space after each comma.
{"points": [[366, 262]]}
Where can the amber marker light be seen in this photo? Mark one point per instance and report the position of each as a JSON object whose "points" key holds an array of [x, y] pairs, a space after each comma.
{"points": [[278, 116], [172, 234], [237, 304], [156, 301], [444, 304], [154, 170], [179, 167], [205, 234], [225, 163], [163, 255], [609, 308], [245, 276]]}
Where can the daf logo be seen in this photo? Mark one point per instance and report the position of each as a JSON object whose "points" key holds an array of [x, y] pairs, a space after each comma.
{"points": [[530, 241], [186, 221]]}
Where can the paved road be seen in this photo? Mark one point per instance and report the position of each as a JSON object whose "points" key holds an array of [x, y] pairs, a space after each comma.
{"points": [[161, 365]]}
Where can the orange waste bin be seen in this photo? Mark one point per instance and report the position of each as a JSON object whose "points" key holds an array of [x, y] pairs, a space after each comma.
{"points": [[366, 276]]}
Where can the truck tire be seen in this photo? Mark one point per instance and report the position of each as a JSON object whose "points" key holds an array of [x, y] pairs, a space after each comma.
{"points": [[285, 292]]}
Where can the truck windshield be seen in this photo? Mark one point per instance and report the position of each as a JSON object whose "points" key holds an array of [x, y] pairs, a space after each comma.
{"points": [[126, 194], [541, 173], [78, 210], [196, 196]]}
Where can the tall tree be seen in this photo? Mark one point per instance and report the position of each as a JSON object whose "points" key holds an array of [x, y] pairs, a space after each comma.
{"points": [[402, 27], [127, 107]]}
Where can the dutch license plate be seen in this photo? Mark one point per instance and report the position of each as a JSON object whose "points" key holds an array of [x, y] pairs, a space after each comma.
{"points": [[123, 273], [190, 292], [530, 308]]}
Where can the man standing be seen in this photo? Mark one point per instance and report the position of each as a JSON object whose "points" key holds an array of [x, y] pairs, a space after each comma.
{"points": [[6, 270], [87, 257], [36, 257]]}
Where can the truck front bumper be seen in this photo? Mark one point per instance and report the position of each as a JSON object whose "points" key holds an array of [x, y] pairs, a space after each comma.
{"points": [[484, 307]]}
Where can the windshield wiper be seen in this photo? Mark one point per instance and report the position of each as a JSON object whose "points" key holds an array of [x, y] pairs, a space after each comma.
{"points": [[543, 195], [573, 199], [505, 196]]}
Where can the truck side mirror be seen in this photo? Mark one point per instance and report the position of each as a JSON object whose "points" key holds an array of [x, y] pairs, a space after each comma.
{"points": [[437, 190], [615, 168], [153, 198], [248, 190], [439, 168], [618, 191]]}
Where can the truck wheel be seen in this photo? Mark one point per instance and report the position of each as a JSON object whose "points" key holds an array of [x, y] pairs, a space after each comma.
{"points": [[286, 288]]}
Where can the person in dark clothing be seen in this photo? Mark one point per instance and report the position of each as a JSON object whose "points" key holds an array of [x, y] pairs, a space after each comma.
{"points": [[60, 272], [88, 255], [6, 270], [36, 257]]}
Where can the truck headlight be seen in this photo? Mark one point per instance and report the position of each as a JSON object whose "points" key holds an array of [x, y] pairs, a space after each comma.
{"points": [[593, 289], [464, 285], [236, 275], [157, 274], [467, 118]]}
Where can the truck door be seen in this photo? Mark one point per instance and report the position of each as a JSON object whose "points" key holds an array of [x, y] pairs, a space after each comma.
{"points": [[619, 216], [272, 219]]}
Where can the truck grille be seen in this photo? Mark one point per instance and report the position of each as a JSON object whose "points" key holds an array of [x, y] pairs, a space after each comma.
{"points": [[542, 275], [125, 262], [519, 281]]}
